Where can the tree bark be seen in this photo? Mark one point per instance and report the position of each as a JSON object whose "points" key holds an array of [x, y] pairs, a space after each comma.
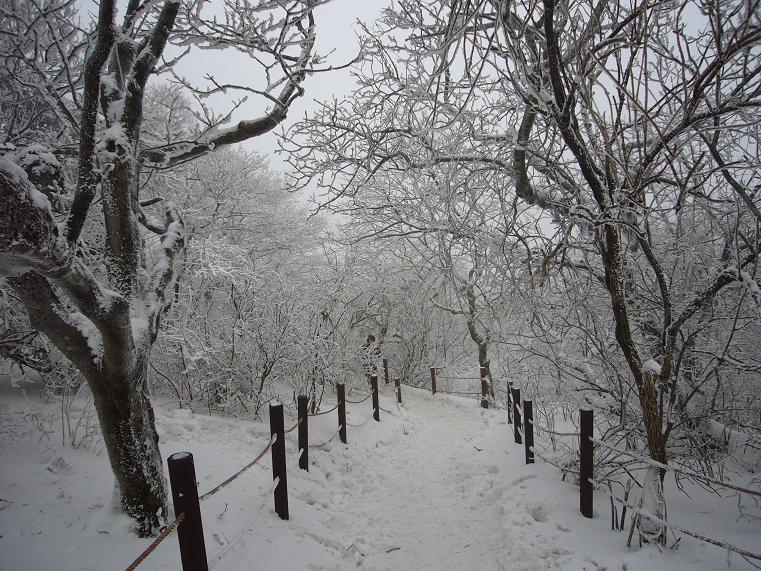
{"points": [[129, 431]]}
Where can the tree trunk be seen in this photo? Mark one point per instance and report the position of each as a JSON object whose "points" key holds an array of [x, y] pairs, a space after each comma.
{"points": [[652, 493], [481, 341], [129, 431]]}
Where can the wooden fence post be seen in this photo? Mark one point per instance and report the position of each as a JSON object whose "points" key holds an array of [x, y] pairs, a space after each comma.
{"points": [[277, 429], [586, 461], [341, 393], [484, 389], [398, 385], [528, 430], [385, 370], [182, 477], [517, 416], [376, 404], [303, 405], [509, 402], [433, 380]]}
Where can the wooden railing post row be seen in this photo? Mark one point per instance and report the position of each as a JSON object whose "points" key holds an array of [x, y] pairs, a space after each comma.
{"points": [[385, 370], [398, 385], [182, 477], [484, 389], [277, 430], [303, 406], [433, 380], [341, 394], [376, 404], [517, 416], [586, 461], [528, 430]]}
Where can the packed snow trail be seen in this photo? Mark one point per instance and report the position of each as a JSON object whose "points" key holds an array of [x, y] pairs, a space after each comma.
{"points": [[426, 503]]}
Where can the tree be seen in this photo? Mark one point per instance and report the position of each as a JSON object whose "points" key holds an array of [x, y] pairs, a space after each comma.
{"points": [[620, 121], [103, 307]]}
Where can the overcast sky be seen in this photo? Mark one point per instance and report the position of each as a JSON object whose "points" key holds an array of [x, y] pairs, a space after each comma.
{"points": [[336, 32]]}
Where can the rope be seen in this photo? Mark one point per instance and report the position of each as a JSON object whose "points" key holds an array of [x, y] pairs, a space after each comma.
{"points": [[551, 463], [447, 378], [292, 428], [497, 405], [679, 471], [691, 533], [331, 439], [361, 424], [457, 393], [162, 536], [239, 472], [359, 401], [548, 431], [324, 411]]}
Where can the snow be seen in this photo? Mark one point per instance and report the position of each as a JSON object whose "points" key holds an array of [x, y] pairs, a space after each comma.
{"points": [[651, 366], [437, 484], [19, 180], [750, 284]]}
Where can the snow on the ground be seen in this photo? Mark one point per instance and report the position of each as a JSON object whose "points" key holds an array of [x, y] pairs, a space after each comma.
{"points": [[437, 484]]}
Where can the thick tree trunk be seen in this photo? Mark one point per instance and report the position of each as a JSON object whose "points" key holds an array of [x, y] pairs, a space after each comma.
{"points": [[118, 381], [129, 431]]}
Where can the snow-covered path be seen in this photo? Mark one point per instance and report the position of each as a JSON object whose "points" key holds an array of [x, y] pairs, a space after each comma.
{"points": [[423, 496], [437, 484]]}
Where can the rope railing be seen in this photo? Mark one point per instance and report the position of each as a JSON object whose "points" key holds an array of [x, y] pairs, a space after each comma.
{"points": [[324, 411], [676, 470], [171, 527], [585, 475], [495, 404], [553, 432], [552, 463], [241, 471], [294, 427], [166, 532], [659, 521], [168, 529], [331, 439], [361, 424], [456, 392], [359, 401]]}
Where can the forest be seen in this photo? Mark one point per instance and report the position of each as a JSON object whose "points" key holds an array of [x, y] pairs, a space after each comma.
{"points": [[566, 193]]}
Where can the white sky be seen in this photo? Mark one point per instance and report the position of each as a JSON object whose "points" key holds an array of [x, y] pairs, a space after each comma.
{"points": [[336, 32]]}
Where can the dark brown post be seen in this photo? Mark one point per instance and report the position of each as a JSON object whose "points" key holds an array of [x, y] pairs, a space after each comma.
{"points": [[528, 430], [509, 403], [586, 457], [484, 389], [385, 370], [341, 393], [398, 385], [433, 380], [277, 429], [376, 404], [517, 416], [303, 404], [182, 477]]}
